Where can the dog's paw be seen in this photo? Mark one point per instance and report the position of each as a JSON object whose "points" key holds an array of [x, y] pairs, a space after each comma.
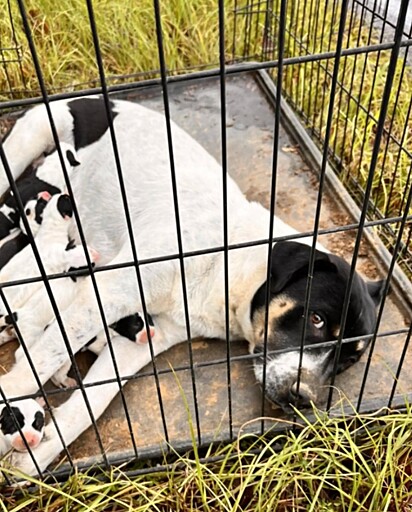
{"points": [[66, 382]]}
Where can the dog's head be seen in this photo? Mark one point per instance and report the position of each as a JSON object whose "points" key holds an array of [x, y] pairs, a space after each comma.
{"points": [[27, 417], [287, 288]]}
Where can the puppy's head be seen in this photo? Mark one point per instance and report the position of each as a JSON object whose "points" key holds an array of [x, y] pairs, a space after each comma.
{"points": [[26, 415], [289, 270]]}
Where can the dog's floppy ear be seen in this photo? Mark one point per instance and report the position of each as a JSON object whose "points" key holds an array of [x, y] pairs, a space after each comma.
{"points": [[290, 260], [376, 289]]}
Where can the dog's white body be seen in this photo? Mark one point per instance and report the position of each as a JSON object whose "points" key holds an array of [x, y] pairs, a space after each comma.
{"points": [[142, 142]]}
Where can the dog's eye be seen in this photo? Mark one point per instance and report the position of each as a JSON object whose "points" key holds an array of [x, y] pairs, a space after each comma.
{"points": [[317, 321], [28, 211]]}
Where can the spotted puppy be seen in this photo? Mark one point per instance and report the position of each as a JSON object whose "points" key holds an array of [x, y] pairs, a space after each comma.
{"points": [[131, 327], [30, 305], [27, 419], [48, 177]]}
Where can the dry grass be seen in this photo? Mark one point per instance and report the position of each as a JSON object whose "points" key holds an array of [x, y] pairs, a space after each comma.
{"points": [[353, 463]]}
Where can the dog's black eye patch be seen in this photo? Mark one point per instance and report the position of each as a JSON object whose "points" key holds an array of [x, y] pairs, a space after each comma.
{"points": [[7, 421], [39, 209], [38, 422]]}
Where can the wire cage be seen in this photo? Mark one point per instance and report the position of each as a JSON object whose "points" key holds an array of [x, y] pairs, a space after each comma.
{"points": [[311, 102]]}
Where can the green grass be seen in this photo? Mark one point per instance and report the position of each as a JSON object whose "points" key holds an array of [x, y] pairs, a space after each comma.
{"points": [[362, 80], [63, 40], [352, 463]]}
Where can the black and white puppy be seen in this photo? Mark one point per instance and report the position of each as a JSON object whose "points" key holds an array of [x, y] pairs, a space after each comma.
{"points": [[131, 327], [30, 305], [47, 178], [30, 419], [144, 155]]}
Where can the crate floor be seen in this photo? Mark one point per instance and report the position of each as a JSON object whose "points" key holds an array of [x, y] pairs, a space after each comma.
{"points": [[195, 106]]}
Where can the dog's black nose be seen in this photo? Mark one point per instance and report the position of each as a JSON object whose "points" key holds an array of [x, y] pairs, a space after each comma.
{"points": [[302, 397]]}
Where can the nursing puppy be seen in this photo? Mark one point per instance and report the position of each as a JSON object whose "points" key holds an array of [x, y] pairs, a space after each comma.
{"points": [[29, 303], [142, 143], [131, 327], [48, 177], [29, 417], [58, 255]]}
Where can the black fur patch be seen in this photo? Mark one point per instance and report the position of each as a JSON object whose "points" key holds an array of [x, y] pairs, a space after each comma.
{"points": [[39, 209], [64, 206], [38, 422], [10, 319], [90, 120], [90, 342], [6, 225], [29, 188], [12, 247], [7, 422], [130, 325]]}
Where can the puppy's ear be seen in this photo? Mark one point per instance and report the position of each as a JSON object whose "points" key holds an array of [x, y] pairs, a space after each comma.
{"points": [[290, 261], [71, 158], [376, 289], [64, 206]]}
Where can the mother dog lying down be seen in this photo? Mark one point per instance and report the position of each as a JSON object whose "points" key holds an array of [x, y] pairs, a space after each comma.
{"points": [[144, 156]]}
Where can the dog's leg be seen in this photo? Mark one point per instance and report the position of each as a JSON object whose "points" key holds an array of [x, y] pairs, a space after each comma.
{"points": [[82, 320], [130, 358], [23, 145]]}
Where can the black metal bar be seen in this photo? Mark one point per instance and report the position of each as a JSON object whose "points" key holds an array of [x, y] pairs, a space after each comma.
{"points": [[276, 136], [109, 118], [222, 82], [37, 256], [232, 69], [213, 362], [400, 366], [385, 292], [163, 73], [231, 247]]}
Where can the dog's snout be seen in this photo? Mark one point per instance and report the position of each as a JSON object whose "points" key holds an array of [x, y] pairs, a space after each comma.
{"points": [[302, 395]]}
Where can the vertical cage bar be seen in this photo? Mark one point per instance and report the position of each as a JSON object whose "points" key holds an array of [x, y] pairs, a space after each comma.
{"points": [[163, 73], [222, 84]]}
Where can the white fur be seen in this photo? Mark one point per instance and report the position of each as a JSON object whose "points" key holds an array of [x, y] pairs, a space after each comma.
{"points": [[142, 143]]}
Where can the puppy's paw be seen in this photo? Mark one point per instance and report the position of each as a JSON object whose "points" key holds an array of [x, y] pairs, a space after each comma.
{"points": [[63, 382]]}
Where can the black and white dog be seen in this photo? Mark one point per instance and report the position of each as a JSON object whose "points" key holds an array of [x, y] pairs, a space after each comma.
{"points": [[144, 157]]}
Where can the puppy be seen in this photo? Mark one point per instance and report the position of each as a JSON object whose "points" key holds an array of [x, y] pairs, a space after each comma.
{"points": [[47, 178], [132, 327], [31, 307], [30, 418]]}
